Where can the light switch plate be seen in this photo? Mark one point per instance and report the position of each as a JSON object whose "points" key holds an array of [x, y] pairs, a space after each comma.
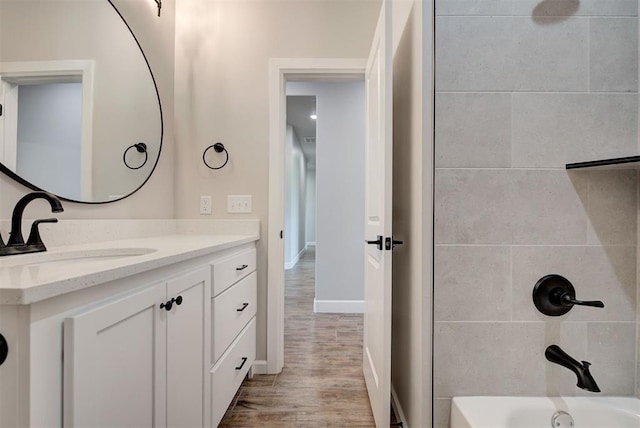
{"points": [[239, 204]]}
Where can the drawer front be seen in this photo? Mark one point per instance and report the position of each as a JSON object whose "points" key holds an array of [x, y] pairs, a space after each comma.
{"points": [[232, 310], [228, 271], [227, 375]]}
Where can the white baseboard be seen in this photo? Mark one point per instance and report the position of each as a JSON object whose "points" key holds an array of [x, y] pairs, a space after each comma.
{"points": [[338, 306], [397, 408], [260, 367], [292, 263], [311, 244]]}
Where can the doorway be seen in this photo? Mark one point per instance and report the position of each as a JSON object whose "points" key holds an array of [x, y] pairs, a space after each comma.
{"points": [[283, 71], [48, 143], [335, 163]]}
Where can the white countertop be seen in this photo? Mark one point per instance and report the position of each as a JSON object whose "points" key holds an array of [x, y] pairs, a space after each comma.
{"points": [[24, 280]]}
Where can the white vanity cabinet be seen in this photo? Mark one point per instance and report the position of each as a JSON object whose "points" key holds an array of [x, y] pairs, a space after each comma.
{"points": [[233, 305], [131, 362], [102, 350]]}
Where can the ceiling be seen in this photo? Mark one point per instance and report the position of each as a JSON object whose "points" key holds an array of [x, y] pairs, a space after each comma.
{"points": [[299, 108]]}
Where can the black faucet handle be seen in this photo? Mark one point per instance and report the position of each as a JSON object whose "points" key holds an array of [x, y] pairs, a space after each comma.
{"points": [[567, 300], [34, 237], [554, 295]]}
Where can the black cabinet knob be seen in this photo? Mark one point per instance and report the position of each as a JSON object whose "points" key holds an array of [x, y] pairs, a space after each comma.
{"points": [[169, 304], [4, 349]]}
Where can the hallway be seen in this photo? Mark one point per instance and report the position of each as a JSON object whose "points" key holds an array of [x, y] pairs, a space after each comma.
{"points": [[321, 384]]}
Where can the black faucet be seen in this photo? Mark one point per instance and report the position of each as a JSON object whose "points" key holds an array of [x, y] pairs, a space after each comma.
{"points": [[585, 381], [16, 244]]}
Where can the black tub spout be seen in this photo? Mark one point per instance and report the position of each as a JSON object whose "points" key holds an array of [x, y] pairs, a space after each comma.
{"points": [[585, 381]]}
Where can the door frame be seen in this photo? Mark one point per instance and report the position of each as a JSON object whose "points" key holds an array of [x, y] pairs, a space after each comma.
{"points": [[13, 74], [282, 70]]}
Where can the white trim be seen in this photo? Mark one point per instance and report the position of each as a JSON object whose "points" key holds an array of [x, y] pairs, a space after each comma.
{"points": [[397, 408], [292, 263], [8, 124], [281, 69], [259, 367], [311, 244], [338, 306], [15, 73]]}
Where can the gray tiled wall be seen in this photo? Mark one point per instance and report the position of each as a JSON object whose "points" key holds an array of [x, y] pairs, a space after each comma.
{"points": [[523, 87], [537, 8]]}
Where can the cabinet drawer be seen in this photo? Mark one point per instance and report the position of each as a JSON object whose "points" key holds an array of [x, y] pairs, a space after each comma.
{"points": [[227, 375], [231, 311], [228, 271]]}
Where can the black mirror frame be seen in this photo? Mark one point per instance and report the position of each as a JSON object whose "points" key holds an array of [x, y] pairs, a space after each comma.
{"points": [[16, 177]]}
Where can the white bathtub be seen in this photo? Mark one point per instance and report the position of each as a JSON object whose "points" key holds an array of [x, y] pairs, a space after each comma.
{"points": [[537, 412]]}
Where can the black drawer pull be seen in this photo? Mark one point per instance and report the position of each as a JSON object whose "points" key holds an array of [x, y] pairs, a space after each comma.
{"points": [[244, 360], [244, 306], [243, 267]]}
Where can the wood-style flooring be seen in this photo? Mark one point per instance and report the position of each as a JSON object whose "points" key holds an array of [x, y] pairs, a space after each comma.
{"points": [[321, 384]]}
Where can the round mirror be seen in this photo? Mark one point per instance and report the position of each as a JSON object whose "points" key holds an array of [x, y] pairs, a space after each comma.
{"points": [[80, 111]]}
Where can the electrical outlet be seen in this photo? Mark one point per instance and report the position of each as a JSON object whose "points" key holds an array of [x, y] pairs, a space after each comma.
{"points": [[239, 204], [205, 204]]}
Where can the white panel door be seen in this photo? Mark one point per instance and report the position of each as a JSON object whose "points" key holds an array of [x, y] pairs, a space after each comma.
{"points": [[188, 348], [114, 363], [378, 170]]}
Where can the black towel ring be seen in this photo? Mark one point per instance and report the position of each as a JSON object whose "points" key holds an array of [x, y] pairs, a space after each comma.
{"points": [[141, 148], [218, 148]]}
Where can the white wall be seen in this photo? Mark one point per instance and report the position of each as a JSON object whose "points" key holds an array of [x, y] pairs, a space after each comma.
{"points": [[156, 198], [340, 138], [311, 207], [295, 200], [222, 94]]}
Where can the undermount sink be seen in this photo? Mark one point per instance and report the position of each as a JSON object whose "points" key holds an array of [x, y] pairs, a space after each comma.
{"points": [[73, 257]]}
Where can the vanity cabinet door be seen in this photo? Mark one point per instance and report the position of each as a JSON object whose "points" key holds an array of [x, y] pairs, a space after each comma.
{"points": [[188, 345], [114, 363]]}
